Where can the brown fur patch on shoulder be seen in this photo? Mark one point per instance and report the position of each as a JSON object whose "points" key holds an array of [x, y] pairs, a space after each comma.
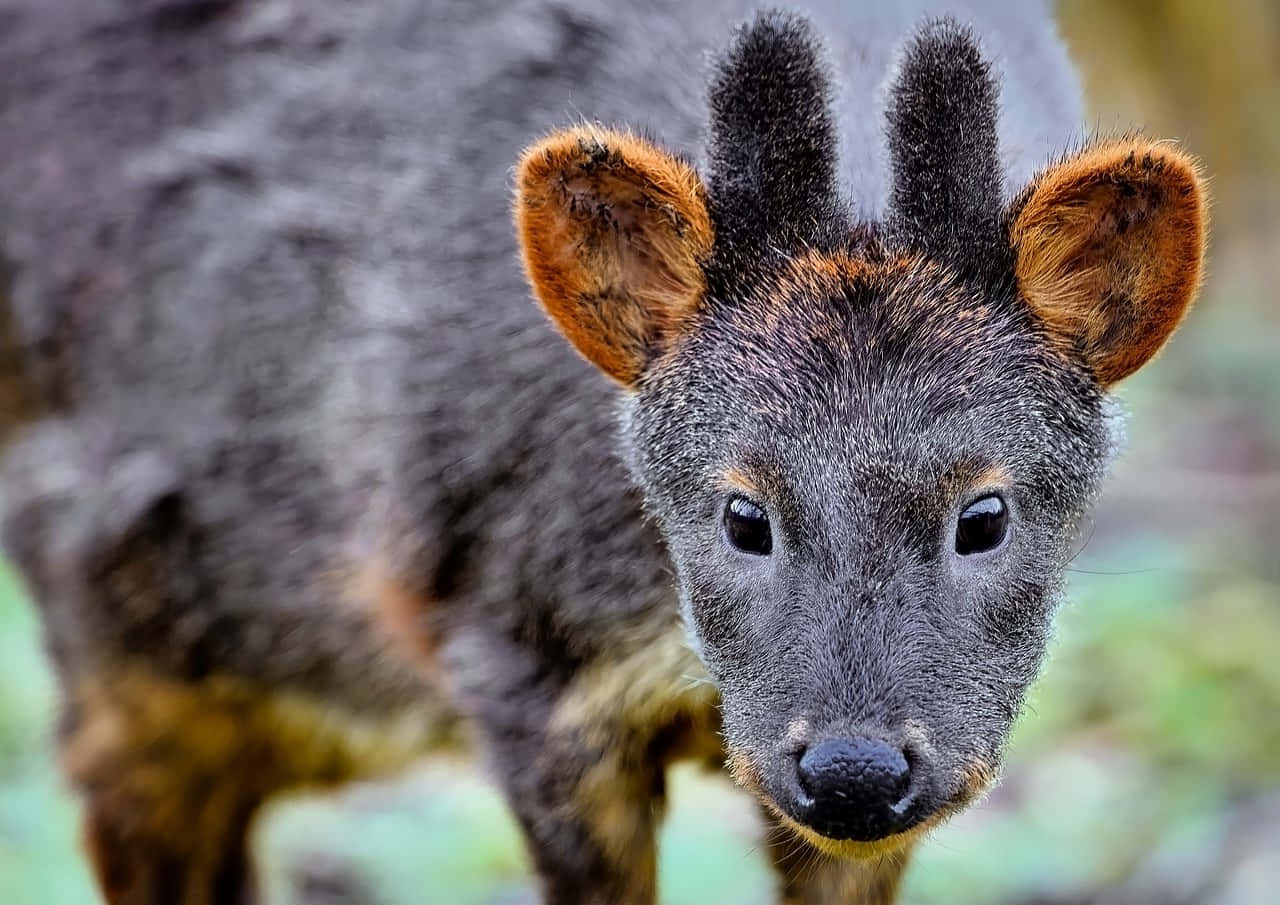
{"points": [[613, 232], [261, 739], [640, 711], [399, 613], [173, 772], [640, 694], [1109, 249]]}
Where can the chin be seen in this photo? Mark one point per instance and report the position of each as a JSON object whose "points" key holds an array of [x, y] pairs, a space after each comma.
{"points": [[860, 834]]}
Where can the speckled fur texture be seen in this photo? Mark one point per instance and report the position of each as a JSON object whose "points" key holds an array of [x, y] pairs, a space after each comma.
{"points": [[305, 485]]}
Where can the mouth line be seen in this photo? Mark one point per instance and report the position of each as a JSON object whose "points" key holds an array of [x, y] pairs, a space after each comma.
{"points": [[899, 810], [859, 850], [855, 850]]}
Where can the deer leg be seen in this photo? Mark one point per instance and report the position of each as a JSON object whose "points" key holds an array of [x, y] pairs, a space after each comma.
{"points": [[583, 763]]}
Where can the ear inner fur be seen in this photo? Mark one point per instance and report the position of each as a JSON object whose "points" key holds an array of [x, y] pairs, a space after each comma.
{"points": [[1109, 250], [613, 233]]}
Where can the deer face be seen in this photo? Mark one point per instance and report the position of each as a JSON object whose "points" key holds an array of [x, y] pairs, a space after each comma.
{"points": [[867, 445]]}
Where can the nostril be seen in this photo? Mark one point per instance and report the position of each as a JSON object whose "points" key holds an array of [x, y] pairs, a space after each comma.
{"points": [[854, 786], [864, 768]]}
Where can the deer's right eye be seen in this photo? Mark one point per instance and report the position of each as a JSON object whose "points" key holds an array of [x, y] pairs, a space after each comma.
{"points": [[982, 526], [747, 526]]}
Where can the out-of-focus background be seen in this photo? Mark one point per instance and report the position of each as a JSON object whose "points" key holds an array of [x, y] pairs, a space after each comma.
{"points": [[1147, 767]]}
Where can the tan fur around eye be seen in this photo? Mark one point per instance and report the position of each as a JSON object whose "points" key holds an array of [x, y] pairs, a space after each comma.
{"points": [[1110, 248]]}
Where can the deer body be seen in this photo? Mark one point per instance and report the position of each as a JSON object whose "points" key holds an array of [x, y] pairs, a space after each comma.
{"points": [[306, 486]]}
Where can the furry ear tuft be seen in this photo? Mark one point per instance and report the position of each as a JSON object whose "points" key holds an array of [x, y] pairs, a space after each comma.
{"points": [[614, 233], [946, 197], [1109, 250]]}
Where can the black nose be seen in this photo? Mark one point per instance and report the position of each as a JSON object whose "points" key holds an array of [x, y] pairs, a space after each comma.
{"points": [[855, 788]]}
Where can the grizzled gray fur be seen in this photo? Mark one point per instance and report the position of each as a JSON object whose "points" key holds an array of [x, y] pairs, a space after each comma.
{"points": [[304, 482]]}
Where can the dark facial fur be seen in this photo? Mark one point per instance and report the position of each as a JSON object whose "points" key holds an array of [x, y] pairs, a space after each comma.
{"points": [[863, 392], [863, 416]]}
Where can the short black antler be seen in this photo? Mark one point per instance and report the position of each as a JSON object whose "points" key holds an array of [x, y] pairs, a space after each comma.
{"points": [[773, 144], [946, 198]]}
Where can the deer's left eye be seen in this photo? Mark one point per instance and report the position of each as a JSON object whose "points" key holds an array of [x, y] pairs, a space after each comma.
{"points": [[982, 526], [747, 527]]}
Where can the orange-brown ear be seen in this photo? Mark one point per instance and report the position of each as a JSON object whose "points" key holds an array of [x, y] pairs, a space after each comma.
{"points": [[614, 233], [1109, 247]]}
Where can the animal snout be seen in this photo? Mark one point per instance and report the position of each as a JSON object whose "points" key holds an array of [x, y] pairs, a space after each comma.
{"points": [[854, 788]]}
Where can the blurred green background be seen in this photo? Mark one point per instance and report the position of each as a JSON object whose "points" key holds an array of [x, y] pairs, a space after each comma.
{"points": [[1147, 767]]}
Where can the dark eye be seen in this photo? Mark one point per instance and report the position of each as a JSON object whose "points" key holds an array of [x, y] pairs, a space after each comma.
{"points": [[982, 526], [747, 526]]}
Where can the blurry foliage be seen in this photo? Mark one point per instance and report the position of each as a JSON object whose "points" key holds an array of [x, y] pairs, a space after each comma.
{"points": [[39, 864], [1147, 768]]}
